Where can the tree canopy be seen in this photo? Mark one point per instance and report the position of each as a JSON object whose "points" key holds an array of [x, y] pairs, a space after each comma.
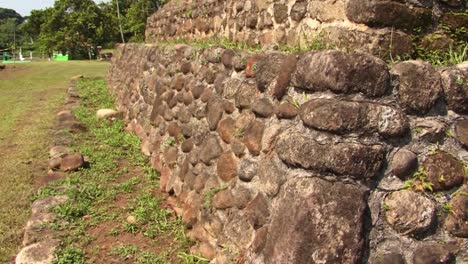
{"points": [[9, 20], [10, 13], [77, 27]]}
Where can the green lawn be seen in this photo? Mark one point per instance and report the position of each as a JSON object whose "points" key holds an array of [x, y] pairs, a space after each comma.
{"points": [[30, 95]]}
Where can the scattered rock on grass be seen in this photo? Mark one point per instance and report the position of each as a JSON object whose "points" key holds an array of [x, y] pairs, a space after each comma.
{"points": [[43, 205], [59, 151], [107, 113], [39, 253], [72, 162]]}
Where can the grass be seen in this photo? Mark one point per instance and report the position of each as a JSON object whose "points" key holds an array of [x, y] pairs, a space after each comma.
{"points": [[30, 95], [118, 172]]}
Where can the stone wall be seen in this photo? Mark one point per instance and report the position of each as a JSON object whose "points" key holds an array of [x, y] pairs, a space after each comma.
{"points": [[376, 26], [303, 158]]}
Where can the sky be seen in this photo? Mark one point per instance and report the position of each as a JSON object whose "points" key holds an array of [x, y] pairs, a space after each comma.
{"points": [[24, 7]]}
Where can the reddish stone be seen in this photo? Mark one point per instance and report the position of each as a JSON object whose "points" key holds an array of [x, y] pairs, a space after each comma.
{"points": [[251, 67], [187, 145], [54, 163], [223, 200], [174, 130], [72, 162], [164, 178], [286, 111], [260, 239], [229, 107], [227, 166], [258, 211], [253, 137], [444, 171], [227, 129]]}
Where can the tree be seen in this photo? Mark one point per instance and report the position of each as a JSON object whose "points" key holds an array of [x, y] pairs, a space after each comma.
{"points": [[9, 21], [31, 27], [138, 12], [71, 26], [10, 13], [78, 26], [7, 32]]}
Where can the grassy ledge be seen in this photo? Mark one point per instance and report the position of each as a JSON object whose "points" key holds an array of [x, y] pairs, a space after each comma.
{"points": [[115, 212]]}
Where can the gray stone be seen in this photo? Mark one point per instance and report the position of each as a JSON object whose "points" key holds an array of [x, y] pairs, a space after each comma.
{"points": [[455, 85], [211, 150], [315, 221], [245, 96], [271, 175], [238, 231], [408, 212], [59, 151], [420, 86], [263, 107], [461, 131], [354, 159], [339, 116], [433, 253], [274, 72], [280, 13], [248, 169], [390, 258], [227, 57], [214, 112], [298, 11], [456, 222], [342, 72], [431, 130], [107, 113], [403, 163], [267, 70], [286, 111], [258, 211], [381, 13], [444, 171], [39, 253], [45, 204]]}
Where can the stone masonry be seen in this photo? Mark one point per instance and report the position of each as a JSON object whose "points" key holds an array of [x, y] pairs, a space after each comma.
{"points": [[380, 27], [318, 157]]}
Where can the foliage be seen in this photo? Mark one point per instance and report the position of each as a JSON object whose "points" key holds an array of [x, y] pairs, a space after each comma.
{"points": [[8, 27], [192, 259], [70, 255], [419, 182], [9, 21], [10, 13], [77, 27]]}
